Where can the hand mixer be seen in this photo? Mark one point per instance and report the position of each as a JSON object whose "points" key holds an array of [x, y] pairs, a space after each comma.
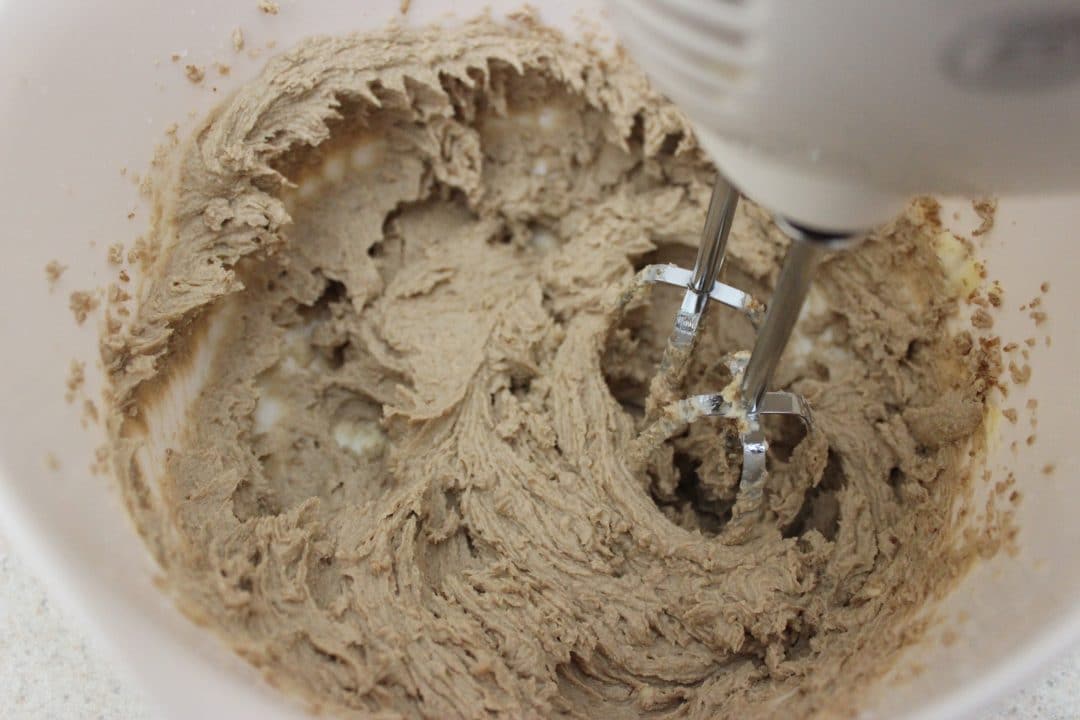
{"points": [[831, 114]]}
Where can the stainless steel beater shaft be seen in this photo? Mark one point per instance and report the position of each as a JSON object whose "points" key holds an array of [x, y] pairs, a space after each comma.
{"points": [[790, 292], [710, 257], [787, 301]]}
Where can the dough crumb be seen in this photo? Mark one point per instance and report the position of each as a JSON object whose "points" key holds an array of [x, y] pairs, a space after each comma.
{"points": [[1045, 287], [237, 38], [194, 73], [140, 253], [90, 411], [950, 418], [222, 69], [982, 319], [117, 294], [1011, 415], [1019, 374], [964, 342], [53, 270], [269, 7], [986, 209], [404, 6], [100, 464], [1048, 469], [76, 377], [116, 254], [51, 462], [1038, 316], [82, 303]]}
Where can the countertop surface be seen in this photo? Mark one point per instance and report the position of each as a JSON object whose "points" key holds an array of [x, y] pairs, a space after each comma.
{"points": [[49, 668]]}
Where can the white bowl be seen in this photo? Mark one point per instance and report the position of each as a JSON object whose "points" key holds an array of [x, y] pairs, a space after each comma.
{"points": [[88, 89]]}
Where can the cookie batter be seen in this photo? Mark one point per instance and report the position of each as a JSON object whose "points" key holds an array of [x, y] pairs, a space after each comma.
{"points": [[405, 484]]}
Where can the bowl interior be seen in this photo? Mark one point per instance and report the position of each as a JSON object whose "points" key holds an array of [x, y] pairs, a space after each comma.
{"points": [[87, 91]]}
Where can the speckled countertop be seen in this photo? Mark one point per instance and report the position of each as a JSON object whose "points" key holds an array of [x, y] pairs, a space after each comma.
{"points": [[49, 669]]}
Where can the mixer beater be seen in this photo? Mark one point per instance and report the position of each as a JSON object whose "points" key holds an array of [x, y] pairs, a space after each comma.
{"points": [[746, 399]]}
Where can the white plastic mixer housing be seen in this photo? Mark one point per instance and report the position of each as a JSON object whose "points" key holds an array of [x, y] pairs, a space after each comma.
{"points": [[832, 113]]}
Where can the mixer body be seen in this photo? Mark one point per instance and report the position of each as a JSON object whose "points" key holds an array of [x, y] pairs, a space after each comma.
{"points": [[832, 113]]}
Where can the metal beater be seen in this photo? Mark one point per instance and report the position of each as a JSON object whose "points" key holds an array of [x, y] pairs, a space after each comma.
{"points": [[747, 399]]}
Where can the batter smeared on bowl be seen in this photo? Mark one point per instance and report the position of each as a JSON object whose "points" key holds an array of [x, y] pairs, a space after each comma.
{"points": [[402, 483]]}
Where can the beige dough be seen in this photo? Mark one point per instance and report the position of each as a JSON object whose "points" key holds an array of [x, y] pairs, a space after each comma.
{"points": [[404, 486]]}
